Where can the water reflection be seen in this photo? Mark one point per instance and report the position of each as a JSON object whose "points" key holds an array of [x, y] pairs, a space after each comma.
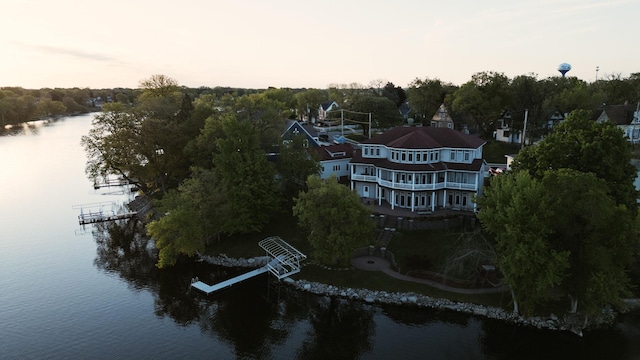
{"points": [[262, 319], [28, 128], [123, 251]]}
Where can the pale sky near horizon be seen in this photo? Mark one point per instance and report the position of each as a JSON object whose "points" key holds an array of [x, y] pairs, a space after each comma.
{"points": [[303, 44]]}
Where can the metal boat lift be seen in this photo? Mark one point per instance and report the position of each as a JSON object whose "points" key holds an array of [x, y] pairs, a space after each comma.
{"points": [[285, 261]]}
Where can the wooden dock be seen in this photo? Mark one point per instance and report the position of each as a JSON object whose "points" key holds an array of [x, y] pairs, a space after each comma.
{"points": [[96, 213], [92, 218]]}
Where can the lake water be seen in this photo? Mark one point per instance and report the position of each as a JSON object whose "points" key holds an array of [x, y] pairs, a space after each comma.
{"points": [[73, 293]]}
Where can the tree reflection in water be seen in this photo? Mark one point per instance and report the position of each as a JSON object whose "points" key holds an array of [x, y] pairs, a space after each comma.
{"points": [[341, 330]]}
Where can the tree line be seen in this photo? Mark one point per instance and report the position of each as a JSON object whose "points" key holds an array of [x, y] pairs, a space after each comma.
{"points": [[476, 104]]}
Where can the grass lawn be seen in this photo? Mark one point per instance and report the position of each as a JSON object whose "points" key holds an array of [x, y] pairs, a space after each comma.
{"points": [[494, 151], [375, 280], [422, 249]]}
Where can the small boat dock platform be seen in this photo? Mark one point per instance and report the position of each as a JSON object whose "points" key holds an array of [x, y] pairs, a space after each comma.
{"points": [[100, 212], [109, 182], [285, 261]]}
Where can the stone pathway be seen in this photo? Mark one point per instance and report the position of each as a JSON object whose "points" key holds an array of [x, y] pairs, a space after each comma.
{"points": [[374, 263]]}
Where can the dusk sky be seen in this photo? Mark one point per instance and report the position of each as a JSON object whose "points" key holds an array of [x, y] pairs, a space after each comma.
{"points": [[304, 44]]}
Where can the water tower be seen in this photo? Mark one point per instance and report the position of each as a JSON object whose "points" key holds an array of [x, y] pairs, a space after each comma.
{"points": [[564, 68]]}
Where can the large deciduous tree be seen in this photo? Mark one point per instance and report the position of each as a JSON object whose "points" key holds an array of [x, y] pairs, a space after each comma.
{"points": [[425, 96], [308, 102], [112, 147], [192, 217], [484, 97], [561, 231], [582, 144], [247, 179], [337, 221], [516, 210], [145, 143]]}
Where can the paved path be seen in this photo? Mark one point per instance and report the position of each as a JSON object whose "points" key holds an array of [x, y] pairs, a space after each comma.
{"points": [[374, 263]]}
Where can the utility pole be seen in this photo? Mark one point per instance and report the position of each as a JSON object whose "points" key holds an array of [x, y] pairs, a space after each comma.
{"points": [[524, 131], [342, 122], [369, 125]]}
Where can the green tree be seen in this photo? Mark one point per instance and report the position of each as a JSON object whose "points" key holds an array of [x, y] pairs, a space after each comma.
{"points": [[484, 98], [394, 93], [384, 113], [294, 166], [425, 96], [191, 218], [112, 147], [246, 178], [308, 102], [267, 116], [581, 144], [47, 107], [337, 221], [527, 95], [598, 235], [516, 210], [561, 231]]}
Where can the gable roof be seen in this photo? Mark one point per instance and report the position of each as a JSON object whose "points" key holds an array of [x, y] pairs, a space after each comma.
{"points": [[442, 114], [618, 114], [425, 137], [293, 128], [328, 104]]}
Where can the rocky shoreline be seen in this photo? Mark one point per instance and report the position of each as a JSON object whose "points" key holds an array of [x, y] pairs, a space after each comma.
{"points": [[574, 323]]}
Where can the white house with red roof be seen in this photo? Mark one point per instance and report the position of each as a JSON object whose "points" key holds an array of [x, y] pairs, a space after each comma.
{"points": [[422, 169], [334, 160]]}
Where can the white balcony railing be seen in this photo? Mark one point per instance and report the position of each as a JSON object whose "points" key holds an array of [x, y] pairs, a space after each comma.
{"points": [[425, 187], [362, 177]]}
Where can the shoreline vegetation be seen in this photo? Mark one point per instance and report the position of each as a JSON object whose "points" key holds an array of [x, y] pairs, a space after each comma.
{"points": [[376, 287]]}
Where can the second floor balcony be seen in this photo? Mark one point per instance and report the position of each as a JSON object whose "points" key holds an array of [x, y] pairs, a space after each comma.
{"points": [[412, 186]]}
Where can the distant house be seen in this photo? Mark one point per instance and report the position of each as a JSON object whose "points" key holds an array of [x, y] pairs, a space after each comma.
{"points": [[325, 107], [554, 119], [294, 128], [334, 160], [420, 168], [404, 110], [441, 118], [505, 132], [626, 117]]}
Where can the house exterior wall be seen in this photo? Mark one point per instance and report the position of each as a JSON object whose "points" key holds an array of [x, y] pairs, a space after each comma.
{"points": [[508, 136], [419, 179], [337, 167]]}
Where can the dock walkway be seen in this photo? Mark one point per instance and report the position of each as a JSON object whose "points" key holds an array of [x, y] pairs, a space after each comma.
{"points": [[208, 289]]}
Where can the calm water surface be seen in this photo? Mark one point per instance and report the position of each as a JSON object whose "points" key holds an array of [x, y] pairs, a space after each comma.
{"points": [[73, 293]]}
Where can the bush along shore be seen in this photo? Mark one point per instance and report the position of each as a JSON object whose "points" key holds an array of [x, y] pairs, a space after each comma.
{"points": [[575, 323]]}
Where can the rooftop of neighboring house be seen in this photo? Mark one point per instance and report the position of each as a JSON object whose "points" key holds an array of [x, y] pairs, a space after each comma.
{"points": [[334, 152], [293, 127], [327, 105], [442, 114], [425, 137], [618, 114]]}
